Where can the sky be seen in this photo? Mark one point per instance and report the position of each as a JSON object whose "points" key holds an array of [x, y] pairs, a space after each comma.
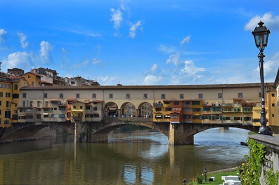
{"points": [[140, 42]]}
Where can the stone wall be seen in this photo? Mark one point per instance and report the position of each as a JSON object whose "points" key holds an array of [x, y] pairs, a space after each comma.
{"points": [[272, 155]]}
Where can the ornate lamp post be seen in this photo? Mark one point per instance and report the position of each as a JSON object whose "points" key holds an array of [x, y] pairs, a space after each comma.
{"points": [[261, 34]]}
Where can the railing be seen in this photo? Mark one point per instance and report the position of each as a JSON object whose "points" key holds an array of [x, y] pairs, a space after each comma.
{"points": [[133, 119]]}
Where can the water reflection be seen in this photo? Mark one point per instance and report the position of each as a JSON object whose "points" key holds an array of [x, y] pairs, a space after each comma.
{"points": [[142, 157]]}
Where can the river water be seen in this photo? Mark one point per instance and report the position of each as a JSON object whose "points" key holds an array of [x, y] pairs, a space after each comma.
{"points": [[134, 157]]}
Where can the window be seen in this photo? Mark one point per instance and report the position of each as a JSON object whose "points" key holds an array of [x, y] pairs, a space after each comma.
{"points": [[32, 83], [95, 108], [15, 95], [94, 96], [144, 96], [31, 103], [75, 107], [196, 117], [45, 95], [200, 96], [7, 103], [62, 108], [163, 96], [272, 94], [1, 94], [15, 87], [77, 95], [61, 115], [176, 103], [80, 107], [0, 102], [272, 115], [24, 95], [127, 96], [168, 109], [220, 95], [260, 94], [174, 117], [46, 103], [87, 107], [8, 95], [38, 116], [187, 116], [158, 109], [7, 114], [240, 95], [23, 103], [167, 102], [38, 103], [61, 95], [110, 96], [273, 105], [196, 103], [187, 103], [181, 96]]}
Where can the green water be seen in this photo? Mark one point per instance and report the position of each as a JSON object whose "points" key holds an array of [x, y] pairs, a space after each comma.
{"points": [[136, 157]]}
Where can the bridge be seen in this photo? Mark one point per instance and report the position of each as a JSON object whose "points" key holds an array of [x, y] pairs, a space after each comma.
{"points": [[178, 134], [178, 111]]}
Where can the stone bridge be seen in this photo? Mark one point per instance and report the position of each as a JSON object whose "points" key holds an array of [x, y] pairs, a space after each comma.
{"points": [[178, 134]]}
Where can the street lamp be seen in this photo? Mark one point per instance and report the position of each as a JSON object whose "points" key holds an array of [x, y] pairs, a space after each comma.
{"points": [[261, 34]]}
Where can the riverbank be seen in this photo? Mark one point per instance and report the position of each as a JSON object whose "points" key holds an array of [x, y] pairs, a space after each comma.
{"points": [[217, 175]]}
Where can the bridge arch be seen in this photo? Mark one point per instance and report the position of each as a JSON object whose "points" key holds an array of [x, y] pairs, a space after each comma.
{"points": [[145, 110]]}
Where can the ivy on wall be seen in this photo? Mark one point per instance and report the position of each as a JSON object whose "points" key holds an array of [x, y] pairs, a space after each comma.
{"points": [[251, 169]]}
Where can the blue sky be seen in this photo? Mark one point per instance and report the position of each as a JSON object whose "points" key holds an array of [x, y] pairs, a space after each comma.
{"points": [[136, 42]]}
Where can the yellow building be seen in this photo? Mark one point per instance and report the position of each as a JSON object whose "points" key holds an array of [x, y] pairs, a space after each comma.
{"points": [[9, 99], [161, 111], [270, 109], [33, 79], [78, 111]]}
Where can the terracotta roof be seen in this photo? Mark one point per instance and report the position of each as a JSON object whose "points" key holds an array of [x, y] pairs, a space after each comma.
{"points": [[148, 87]]}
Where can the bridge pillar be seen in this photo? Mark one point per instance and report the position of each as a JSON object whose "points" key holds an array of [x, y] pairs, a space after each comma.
{"points": [[180, 135]]}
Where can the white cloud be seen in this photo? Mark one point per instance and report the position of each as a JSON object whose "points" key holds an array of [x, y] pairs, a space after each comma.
{"points": [[152, 80], [116, 18], [191, 69], [166, 49], [133, 29], [96, 61], [18, 59], [3, 35], [154, 67], [123, 4], [107, 80], [185, 40], [80, 31], [270, 66], [272, 22], [45, 52], [174, 58], [22, 40]]}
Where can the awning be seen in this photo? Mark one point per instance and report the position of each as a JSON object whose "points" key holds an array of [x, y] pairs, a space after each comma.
{"points": [[45, 113]]}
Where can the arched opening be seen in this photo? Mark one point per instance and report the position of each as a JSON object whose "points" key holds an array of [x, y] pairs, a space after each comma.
{"points": [[222, 136], [111, 110], [128, 110], [145, 110]]}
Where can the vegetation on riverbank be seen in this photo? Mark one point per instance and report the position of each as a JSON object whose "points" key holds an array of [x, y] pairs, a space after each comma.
{"points": [[217, 175]]}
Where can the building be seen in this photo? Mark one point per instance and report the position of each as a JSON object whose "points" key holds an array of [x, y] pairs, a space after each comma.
{"points": [[217, 103], [10, 99], [33, 79], [80, 81], [16, 71]]}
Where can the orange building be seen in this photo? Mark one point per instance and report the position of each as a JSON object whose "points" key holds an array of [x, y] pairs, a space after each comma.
{"points": [[33, 79]]}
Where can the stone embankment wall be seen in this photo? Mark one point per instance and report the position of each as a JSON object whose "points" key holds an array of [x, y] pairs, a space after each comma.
{"points": [[272, 153]]}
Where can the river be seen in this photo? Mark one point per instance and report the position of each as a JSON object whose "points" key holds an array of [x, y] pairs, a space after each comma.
{"points": [[133, 157]]}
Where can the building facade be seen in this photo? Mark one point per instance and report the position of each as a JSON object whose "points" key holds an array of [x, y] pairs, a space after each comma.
{"points": [[225, 103], [10, 99]]}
